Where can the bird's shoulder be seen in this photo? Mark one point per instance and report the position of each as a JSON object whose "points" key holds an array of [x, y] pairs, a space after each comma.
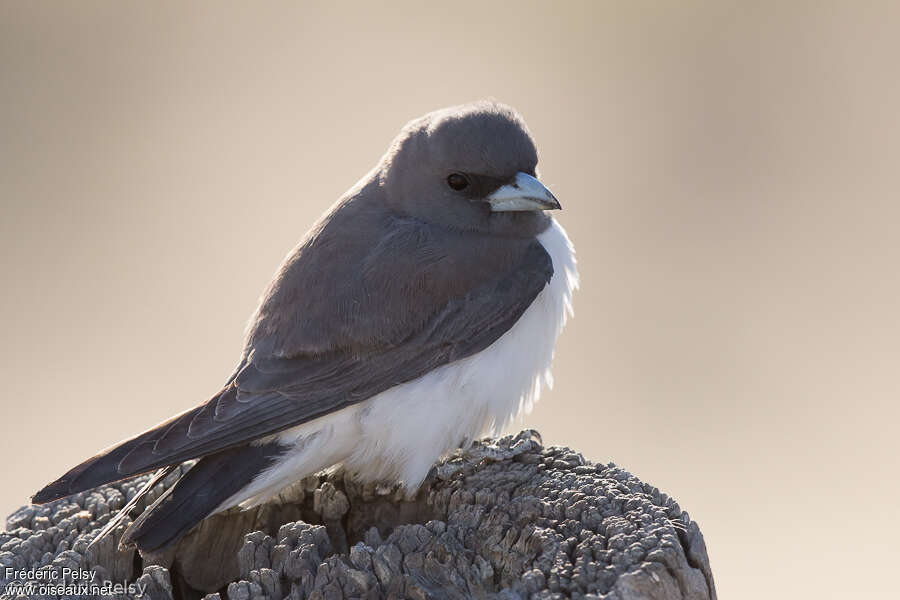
{"points": [[365, 278]]}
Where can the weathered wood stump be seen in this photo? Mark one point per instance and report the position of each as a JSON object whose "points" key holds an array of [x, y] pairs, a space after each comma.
{"points": [[506, 519]]}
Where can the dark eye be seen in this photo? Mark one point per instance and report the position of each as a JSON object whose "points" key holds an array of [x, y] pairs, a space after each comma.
{"points": [[458, 181]]}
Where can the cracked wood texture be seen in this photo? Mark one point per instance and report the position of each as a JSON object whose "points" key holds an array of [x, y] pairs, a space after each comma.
{"points": [[506, 519]]}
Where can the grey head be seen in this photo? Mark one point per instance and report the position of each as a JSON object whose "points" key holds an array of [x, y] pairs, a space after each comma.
{"points": [[471, 168]]}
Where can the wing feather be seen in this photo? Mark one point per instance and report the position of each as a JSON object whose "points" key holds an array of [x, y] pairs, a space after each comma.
{"points": [[270, 393]]}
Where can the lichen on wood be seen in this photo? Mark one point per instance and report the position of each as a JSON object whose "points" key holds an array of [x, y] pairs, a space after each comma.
{"points": [[505, 519]]}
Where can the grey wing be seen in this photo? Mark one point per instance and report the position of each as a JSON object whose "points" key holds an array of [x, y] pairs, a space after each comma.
{"points": [[269, 394]]}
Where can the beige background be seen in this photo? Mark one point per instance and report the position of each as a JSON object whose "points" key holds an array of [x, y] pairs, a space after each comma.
{"points": [[729, 173]]}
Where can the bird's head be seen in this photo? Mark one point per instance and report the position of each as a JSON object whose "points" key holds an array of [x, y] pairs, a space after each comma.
{"points": [[469, 167]]}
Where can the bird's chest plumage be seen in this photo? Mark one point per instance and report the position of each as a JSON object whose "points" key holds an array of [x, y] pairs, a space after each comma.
{"points": [[406, 428], [398, 434]]}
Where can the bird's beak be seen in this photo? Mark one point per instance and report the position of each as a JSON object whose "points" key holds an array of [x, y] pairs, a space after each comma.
{"points": [[523, 193]]}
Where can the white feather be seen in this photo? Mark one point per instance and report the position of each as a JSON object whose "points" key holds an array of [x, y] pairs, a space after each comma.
{"points": [[400, 433]]}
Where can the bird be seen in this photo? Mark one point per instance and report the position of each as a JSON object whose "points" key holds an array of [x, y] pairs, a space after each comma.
{"points": [[419, 313]]}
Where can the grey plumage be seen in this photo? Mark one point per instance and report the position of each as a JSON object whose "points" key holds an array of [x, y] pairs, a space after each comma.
{"points": [[197, 493], [403, 275]]}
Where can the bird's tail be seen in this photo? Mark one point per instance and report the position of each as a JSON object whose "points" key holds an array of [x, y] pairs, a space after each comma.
{"points": [[126, 510], [197, 494]]}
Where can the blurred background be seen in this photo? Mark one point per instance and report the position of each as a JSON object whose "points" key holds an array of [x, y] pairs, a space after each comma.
{"points": [[729, 173]]}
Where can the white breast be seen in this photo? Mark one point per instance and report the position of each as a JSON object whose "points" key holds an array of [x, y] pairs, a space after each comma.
{"points": [[398, 434]]}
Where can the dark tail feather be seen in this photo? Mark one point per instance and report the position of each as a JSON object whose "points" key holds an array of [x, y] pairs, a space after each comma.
{"points": [[197, 494], [104, 467], [129, 506], [95, 471]]}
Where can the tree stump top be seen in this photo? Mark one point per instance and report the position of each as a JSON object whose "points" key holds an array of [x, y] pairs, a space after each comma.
{"points": [[505, 519]]}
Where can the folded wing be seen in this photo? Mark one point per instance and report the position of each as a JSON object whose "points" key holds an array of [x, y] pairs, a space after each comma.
{"points": [[268, 393]]}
